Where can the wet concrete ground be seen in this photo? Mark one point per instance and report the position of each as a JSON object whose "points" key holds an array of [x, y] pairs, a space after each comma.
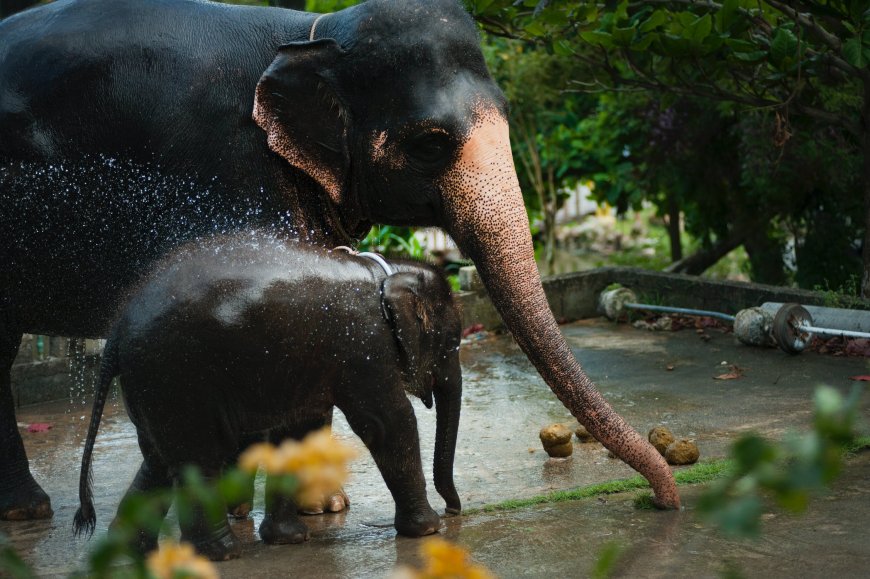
{"points": [[499, 457]]}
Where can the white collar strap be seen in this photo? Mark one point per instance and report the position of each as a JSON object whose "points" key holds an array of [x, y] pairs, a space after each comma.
{"points": [[314, 26], [377, 258]]}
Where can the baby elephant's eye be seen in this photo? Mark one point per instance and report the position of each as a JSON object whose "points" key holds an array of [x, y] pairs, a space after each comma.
{"points": [[430, 148]]}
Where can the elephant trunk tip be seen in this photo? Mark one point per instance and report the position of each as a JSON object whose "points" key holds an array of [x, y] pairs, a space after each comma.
{"points": [[451, 497]]}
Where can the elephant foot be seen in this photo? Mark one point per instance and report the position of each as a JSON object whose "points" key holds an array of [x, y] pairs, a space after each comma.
{"points": [[25, 502], [334, 503], [418, 524], [283, 532], [221, 546], [141, 541]]}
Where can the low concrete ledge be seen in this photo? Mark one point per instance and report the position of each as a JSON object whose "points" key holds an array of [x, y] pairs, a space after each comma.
{"points": [[43, 373], [574, 296]]}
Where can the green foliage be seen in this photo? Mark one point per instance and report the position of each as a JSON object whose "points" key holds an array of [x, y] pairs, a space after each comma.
{"points": [[392, 240], [146, 512], [644, 502], [695, 474], [743, 115], [790, 472], [605, 564], [11, 564], [323, 6]]}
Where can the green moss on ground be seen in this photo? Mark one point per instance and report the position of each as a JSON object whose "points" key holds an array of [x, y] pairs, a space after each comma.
{"points": [[698, 473]]}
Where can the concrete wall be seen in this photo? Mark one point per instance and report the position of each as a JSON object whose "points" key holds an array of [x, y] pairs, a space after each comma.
{"points": [[42, 372], [45, 367], [574, 296]]}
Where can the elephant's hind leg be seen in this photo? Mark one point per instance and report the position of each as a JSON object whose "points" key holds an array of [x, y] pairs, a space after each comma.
{"points": [[21, 497], [209, 532], [152, 476], [281, 524]]}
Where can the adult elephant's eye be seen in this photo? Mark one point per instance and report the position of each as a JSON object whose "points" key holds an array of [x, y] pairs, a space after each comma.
{"points": [[430, 148]]}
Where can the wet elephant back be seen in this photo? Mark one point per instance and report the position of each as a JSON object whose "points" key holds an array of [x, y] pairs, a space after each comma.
{"points": [[125, 131]]}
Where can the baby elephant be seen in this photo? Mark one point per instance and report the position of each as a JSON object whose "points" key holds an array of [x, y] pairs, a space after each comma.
{"points": [[233, 336]]}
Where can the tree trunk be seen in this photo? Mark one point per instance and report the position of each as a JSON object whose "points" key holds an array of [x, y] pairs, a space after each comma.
{"points": [[865, 143], [765, 258], [699, 262], [550, 208], [674, 228]]}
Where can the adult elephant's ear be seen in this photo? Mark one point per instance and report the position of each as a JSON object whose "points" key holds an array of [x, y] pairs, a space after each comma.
{"points": [[306, 123]]}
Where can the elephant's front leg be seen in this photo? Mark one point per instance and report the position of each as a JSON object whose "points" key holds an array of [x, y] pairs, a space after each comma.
{"points": [[21, 497], [388, 428]]}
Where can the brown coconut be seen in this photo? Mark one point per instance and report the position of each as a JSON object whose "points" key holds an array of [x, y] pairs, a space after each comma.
{"points": [[660, 437], [683, 451], [583, 435], [556, 440]]}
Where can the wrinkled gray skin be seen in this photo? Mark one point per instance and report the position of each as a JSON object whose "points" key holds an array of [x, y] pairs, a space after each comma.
{"points": [[237, 335]]}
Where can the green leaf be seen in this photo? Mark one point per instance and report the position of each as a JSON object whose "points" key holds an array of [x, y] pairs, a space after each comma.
{"points": [[535, 28], [686, 19], [725, 16], [655, 20], [853, 53], [784, 45], [597, 37], [480, 6], [738, 45], [750, 56], [11, 563], [644, 42], [751, 451], [700, 28], [562, 48], [675, 45], [608, 557], [623, 36]]}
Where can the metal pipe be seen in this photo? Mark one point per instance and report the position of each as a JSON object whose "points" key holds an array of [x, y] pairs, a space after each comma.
{"points": [[833, 332], [673, 310]]}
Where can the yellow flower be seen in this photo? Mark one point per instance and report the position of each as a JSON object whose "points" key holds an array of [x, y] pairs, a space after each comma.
{"points": [[175, 560], [444, 560], [319, 463], [256, 454]]}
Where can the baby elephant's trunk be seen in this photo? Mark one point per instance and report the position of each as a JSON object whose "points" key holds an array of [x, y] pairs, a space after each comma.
{"points": [[448, 398]]}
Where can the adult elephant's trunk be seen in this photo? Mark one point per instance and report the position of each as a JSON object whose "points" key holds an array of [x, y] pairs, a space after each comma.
{"points": [[448, 400], [485, 214]]}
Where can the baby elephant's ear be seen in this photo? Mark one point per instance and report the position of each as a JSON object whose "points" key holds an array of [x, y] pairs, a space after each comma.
{"points": [[400, 303]]}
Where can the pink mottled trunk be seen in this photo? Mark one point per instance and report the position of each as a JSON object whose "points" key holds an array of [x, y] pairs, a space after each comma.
{"points": [[484, 207]]}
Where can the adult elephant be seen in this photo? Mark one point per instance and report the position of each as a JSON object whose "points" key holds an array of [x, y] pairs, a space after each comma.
{"points": [[130, 126]]}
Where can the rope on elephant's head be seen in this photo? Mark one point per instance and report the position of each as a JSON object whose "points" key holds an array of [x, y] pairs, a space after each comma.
{"points": [[314, 27], [375, 257]]}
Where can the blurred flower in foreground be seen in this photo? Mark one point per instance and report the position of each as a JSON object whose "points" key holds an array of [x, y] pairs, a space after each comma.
{"points": [[443, 560], [319, 463], [179, 561]]}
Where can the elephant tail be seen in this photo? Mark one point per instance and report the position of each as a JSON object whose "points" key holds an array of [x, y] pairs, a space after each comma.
{"points": [[85, 520]]}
